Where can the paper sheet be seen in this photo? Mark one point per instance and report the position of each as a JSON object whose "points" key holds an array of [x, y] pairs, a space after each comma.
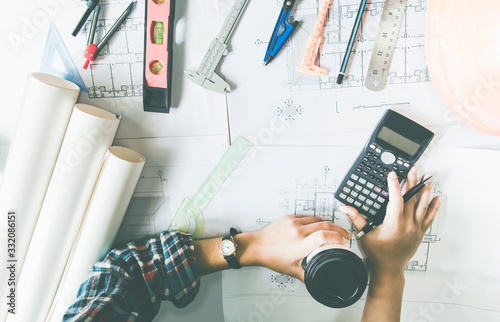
{"points": [[42, 122], [89, 135], [456, 257], [174, 170], [315, 109], [116, 183]]}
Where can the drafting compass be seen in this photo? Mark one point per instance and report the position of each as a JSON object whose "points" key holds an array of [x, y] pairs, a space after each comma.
{"points": [[282, 31], [205, 76]]}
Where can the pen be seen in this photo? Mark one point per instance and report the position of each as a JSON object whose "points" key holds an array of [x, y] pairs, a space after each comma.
{"points": [[379, 219], [354, 32], [91, 4]]}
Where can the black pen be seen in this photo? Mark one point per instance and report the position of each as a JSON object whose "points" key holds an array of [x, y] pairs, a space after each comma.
{"points": [[379, 219]]}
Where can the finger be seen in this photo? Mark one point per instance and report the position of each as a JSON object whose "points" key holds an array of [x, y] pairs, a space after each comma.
{"points": [[306, 220], [357, 220], [395, 205], [411, 180], [410, 183], [323, 237], [423, 200], [431, 212], [324, 225]]}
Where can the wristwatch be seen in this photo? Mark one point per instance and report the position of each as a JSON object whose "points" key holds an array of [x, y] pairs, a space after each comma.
{"points": [[228, 249]]}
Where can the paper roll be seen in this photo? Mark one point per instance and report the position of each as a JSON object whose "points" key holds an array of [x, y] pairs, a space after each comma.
{"points": [[43, 118], [89, 136], [119, 175]]}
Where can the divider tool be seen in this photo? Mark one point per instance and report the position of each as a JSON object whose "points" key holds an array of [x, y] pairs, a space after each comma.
{"points": [[385, 44], [205, 76], [282, 31], [316, 40]]}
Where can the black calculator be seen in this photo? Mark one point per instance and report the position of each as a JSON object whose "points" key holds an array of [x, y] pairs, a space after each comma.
{"points": [[396, 144]]}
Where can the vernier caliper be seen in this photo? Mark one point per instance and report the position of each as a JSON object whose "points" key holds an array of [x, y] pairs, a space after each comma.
{"points": [[205, 76]]}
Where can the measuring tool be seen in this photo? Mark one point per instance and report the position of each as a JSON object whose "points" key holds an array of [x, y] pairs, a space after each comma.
{"points": [[158, 55], [205, 76], [316, 42], [385, 44]]}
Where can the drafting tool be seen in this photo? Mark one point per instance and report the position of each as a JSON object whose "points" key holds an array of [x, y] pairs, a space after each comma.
{"points": [[315, 43], [205, 76], [91, 4], [158, 55], [55, 45], [92, 50], [380, 218], [189, 216], [282, 31], [354, 32], [385, 44]]}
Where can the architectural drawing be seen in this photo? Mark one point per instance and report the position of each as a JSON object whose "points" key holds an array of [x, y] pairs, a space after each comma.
{"points": [[409, 64], [149, 209], [317, 198], [120, 73]]}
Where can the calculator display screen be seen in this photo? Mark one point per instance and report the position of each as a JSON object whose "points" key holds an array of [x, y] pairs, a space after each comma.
{"points": [[398, 141]]}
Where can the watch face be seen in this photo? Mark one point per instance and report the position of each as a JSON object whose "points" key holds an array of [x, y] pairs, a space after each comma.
{"points": [[227, 247]]}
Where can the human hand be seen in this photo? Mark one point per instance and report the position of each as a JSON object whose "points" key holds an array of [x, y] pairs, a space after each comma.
{"points": [[393, 243], [283, 244]]}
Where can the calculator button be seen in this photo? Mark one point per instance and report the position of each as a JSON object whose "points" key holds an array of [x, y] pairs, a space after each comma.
{"points": [[388, 158], [354, 177], [358, 169], [370, 185], [395, 168], [365, 208], [377, 206], [372, 146], [350, 183], [378, 150], [372, 212], [378, 166], [366, 159], [366, 191], [369, 202], [377, 189], [346, 190], [357, 204], [365, 173], [375, 171], [362, 165], [385, 193], [354, 193], [362, 198], [371, 176], [407, 165], [358, 187], [362, 181], [373, 195], [385, 169], [342, 196], [368, 167], [372, 162], [376, 157], [380, 199], [369, 154], [378, 180], [350, 200]]}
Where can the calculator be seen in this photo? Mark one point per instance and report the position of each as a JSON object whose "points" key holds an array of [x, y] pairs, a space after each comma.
{"points": [[396, 144]]}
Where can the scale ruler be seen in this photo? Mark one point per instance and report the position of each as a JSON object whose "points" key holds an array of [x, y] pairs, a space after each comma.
{"points": [[385, 44]]}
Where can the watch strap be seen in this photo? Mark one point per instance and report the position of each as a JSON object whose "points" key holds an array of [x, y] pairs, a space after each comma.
{"points": [[231, 259]]}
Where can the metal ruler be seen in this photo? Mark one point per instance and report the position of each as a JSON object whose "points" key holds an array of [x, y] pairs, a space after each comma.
{"points": [[385, 44]]}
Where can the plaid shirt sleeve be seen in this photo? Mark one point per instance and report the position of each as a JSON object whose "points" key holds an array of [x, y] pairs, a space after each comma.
{"points": [[130, 283]]}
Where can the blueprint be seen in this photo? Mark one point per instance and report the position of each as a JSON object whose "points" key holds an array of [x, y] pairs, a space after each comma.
{"points": [[316, 109], [302, 180]]}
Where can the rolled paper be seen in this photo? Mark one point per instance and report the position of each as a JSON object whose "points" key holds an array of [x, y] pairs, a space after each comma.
{"points": [[90, 133], [119, 176], [42, 121]]}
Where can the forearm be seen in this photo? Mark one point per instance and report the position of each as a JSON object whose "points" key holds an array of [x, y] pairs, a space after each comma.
{"points": [[385, 294]]}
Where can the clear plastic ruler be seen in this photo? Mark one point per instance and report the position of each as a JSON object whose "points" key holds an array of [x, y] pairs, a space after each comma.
{"points": [[385, 44]]}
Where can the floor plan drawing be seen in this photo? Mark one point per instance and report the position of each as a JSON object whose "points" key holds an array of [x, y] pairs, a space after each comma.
{"points": [[409, 64]]}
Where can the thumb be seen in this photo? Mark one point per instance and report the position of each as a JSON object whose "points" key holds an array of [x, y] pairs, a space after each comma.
{"points": [[356, 218]]}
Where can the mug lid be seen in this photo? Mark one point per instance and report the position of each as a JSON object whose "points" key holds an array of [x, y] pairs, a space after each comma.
{"points": [[336, 277]]}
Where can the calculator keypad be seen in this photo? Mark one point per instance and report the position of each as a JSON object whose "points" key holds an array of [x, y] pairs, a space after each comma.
{"points": [[366, 187]]}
